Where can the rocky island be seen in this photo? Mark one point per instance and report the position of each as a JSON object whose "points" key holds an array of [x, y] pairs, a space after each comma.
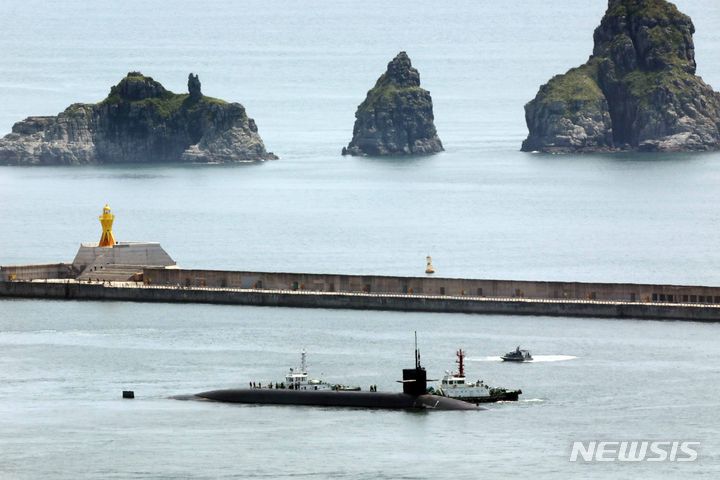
{"points": [[637, 91], [396, 117], [139, 122]]}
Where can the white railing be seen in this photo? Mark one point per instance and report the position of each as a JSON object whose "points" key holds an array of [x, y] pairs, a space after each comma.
{"points": [[135, 285]]}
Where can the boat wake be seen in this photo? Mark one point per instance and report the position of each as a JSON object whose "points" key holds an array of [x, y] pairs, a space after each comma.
{"points": [[552, 358], [485, 359], [536, 358]]}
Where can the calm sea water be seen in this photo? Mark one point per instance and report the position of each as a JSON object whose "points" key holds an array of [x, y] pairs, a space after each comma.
{"points": [[481, 209]]}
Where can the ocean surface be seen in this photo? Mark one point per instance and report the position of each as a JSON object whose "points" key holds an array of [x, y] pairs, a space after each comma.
{"points": [[481, 209]]}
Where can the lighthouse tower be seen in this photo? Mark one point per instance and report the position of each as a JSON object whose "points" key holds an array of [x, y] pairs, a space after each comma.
{"points": [[106, 220]]}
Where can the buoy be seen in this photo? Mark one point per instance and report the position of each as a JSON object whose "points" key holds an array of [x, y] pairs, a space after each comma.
{"points": [[429, 268], [128, 394]]}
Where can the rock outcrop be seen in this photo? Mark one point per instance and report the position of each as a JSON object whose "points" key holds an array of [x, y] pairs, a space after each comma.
{"points": [[637, 91], [396, 117], [139, 121]]}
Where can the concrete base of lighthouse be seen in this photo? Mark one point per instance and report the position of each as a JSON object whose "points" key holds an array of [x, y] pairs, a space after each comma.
{"points": [[120, 262]]}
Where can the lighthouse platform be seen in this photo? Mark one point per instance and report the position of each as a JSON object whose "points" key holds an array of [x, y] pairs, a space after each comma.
{"points": [[123, 261]]}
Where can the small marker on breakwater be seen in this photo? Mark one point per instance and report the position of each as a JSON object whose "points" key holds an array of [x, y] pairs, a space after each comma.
{"points": [[429, 269]]}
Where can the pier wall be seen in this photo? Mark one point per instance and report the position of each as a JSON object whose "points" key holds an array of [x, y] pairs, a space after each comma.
{"points": [[365, 301], [623, 292], [33, 272], [431, 294]]}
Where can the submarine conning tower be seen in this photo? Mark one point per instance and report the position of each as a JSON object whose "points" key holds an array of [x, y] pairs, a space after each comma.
{"points": [[415, 379]]}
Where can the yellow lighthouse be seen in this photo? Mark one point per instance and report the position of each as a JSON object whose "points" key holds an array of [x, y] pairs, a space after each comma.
{"points": [[106, 220]]}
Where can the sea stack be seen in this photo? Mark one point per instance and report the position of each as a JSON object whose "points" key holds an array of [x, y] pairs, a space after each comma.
{"points": [[139, 122], [637, 91], [396, 117]]}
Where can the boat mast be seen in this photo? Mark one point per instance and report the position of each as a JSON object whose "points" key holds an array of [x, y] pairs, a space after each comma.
{"points": [[460, 361], [303, 362]]}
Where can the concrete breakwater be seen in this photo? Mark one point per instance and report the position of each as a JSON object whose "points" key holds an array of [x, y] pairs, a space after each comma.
{"points": [[128, 291], [435, 286], [144, 272]]}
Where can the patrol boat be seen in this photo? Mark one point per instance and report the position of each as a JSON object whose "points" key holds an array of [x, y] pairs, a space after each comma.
{"points": [[517, 356], [453, 385]]}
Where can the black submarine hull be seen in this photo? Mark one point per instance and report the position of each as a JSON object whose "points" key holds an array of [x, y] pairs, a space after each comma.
{"points": [[322, 398]]}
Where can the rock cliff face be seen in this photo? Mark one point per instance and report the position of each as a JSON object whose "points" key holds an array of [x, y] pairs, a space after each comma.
{"points": [[140, 121], [637, 91], [396, 118]]}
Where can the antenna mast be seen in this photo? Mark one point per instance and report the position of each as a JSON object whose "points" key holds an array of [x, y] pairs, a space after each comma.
{"points": [[417, 352], [461, 365]]}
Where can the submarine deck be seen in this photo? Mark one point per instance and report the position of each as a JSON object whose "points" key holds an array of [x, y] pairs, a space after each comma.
{"points": [[323, 398]]}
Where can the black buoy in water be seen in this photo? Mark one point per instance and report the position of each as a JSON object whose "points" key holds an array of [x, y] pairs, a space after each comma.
{"points": [[128, 394]]}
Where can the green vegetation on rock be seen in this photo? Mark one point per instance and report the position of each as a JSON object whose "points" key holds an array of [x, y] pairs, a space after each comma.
{"points": [[637, 91], [139, 121], [144, 92], [654, 9], [382, 94], [577, 85]]}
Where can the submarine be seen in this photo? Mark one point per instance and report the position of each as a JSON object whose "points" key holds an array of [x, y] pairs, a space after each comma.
{"points": [[413, 397]]}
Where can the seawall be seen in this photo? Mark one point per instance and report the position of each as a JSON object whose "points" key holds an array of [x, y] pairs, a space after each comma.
{"points": [[69, 290], [434, 286]]}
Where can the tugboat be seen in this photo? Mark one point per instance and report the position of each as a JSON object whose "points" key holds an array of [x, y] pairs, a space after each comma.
{"points": [[517, 356], [297, 379], [453, 385]]}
